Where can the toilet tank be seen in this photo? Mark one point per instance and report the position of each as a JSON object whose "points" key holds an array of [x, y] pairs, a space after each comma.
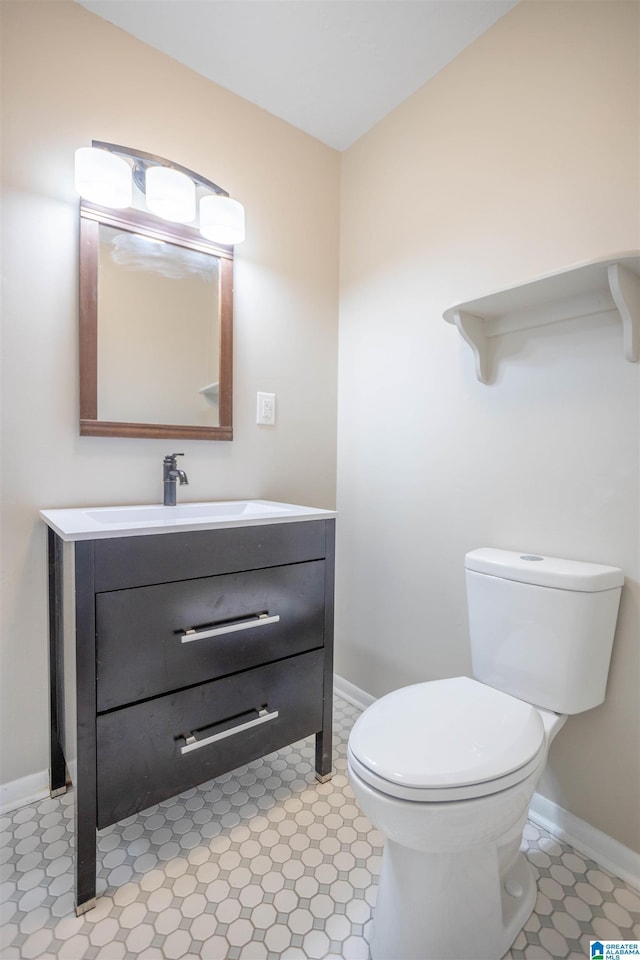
{"points": [[542, 628]]}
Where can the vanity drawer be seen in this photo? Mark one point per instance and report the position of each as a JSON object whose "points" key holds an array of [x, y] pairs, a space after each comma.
{"points": [[145, 754], [123, 562], [150, 640]]}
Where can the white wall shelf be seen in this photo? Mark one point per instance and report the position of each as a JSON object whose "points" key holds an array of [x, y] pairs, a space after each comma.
{"points": [[599, 286]]}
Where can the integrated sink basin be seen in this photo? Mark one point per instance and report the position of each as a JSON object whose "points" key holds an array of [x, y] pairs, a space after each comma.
{"points": [[187, 511], [97, 523]]}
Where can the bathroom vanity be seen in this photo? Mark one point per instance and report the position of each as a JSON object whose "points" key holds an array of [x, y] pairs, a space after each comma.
{"points": [[184, 642]]}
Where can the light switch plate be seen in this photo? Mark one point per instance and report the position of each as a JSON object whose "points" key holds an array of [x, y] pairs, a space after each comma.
{"points": [[266, 412]]}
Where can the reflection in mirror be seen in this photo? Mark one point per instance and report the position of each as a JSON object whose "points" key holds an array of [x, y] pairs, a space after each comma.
{"points": [[157, 331]]}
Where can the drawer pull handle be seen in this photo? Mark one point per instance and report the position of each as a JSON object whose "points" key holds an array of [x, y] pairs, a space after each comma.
{"points": [[191, 743], [259, 621]]}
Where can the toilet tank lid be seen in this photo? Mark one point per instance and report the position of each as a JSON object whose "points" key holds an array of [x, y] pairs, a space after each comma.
{"points": [[544, 571]]}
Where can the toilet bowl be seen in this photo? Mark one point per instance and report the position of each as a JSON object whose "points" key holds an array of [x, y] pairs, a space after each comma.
{"points": [[446, 769], [426, 769]]}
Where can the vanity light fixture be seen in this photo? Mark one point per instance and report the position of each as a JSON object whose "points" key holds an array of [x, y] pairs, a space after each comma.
{"points": [[221, 219], [170, 194], [106, 175], [104, 178]]}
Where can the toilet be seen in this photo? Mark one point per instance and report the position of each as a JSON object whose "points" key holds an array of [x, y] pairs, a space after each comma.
{"points": [[446, 769]]}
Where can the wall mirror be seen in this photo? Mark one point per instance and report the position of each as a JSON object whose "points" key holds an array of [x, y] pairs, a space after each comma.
{"points": [[156, 306]]}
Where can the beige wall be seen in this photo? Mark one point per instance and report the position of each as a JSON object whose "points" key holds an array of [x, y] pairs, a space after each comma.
{"points": [[518, 159], [68, 78]]}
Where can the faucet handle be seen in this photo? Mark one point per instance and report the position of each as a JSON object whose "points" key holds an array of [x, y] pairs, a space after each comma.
{"points": [[171, 457]]}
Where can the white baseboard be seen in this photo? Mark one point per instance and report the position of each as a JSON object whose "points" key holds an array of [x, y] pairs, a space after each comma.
{"points": [[352, 694], [585, 839], [17, 793]]}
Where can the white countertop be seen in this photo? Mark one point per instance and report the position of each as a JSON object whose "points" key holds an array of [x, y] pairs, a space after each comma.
{"points": [[100, 523]]}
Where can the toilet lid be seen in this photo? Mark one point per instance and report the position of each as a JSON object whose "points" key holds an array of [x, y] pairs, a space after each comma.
{"points": [[446, 733]]}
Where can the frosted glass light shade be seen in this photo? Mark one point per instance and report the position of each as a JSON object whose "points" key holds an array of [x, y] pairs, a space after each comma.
{"points": [[222, 220], [170, 194], [102, 177]]}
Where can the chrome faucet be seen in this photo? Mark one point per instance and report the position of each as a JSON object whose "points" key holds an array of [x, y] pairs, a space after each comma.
{"points": [[170, 474]]}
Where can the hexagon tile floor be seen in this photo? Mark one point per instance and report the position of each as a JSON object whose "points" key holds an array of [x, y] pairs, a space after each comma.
{"points": [[261, 864]]}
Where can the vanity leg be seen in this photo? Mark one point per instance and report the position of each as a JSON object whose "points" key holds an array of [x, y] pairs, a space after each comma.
{"points": [[324, 737], [85, 854], [86, 796], [57, 768], [85, 849], [324, 771]]}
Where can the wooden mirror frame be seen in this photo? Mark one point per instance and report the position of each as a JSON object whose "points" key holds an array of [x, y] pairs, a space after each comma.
{"points": [[91, 216]]}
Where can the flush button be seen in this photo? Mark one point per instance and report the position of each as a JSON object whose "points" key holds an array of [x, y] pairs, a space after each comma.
{"points": [[530, 556]]}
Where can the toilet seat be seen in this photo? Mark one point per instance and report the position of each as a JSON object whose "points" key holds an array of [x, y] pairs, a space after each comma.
{"points": [[446, 740]]}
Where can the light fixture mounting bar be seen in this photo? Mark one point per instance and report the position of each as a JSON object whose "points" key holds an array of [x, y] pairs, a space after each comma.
{"points": [[143, 160]]}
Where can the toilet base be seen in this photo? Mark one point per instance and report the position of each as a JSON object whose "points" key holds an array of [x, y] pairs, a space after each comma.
{"points": [[443, 906]]}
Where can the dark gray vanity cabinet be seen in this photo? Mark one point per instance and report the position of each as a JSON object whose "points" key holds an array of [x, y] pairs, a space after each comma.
{"points": [[193, 654]]}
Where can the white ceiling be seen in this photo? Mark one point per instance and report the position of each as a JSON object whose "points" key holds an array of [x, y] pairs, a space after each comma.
{"points": [[332, 68]]}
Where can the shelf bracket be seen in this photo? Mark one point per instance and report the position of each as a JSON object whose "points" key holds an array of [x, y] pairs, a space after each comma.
{"points": [[625, 290], [474, 331]]}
